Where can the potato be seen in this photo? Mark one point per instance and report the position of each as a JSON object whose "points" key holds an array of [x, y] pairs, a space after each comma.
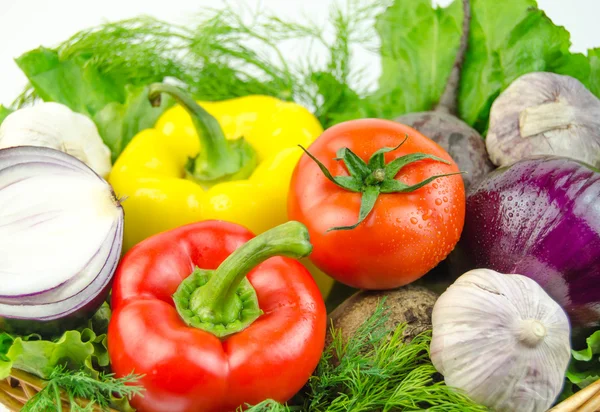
{"points": [[409, 304]]}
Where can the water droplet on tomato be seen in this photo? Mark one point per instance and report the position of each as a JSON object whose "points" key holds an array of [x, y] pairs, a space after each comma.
{"points": [[420, 226], [438, 201], [435, 185], [413, 220], [445, 199]]}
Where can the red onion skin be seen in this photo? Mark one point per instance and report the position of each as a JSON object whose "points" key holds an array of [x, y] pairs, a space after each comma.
{"points": [[79, 308], [76, 315], [50, 329], [540, 217]]}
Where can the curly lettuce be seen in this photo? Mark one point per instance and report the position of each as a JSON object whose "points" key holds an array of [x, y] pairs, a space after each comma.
{"points": [[83, 349]]}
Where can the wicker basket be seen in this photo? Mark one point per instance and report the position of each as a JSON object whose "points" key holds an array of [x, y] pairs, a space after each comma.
{"points": [[20, 386]]}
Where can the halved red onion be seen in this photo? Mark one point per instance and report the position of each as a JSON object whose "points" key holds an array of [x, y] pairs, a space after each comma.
{"points": [[61, 232]]}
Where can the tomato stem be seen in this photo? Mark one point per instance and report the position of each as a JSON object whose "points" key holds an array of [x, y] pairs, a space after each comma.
{"points": [[375, 177], [223, 301]]}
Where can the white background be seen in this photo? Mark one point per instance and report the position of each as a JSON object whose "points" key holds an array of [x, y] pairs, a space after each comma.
{"points": [[27, 24]]}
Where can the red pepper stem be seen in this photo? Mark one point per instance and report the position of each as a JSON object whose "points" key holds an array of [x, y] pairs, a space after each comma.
{"points": [[226, 303], [219, 159]]}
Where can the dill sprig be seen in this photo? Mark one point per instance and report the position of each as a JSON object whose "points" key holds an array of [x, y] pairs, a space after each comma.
{"points": [[376, 370], [82, 391], [269, 405], [234, 52]]}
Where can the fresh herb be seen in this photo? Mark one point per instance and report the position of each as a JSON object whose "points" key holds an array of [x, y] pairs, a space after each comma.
{"points": [[584, 368], [75, 349], [118, 122], [233, 52], [4, 112], [419, 42], [377, 371], [76, 362], [269, 406], [119, 110], [80, 391], [229, 53], [73, 83], [594, 57]]}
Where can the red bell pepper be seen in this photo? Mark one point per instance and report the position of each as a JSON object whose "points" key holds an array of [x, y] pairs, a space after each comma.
{"points": [[247, 326]]}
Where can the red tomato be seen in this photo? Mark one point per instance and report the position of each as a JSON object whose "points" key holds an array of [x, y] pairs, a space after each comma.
{"points": [[405, 235]]}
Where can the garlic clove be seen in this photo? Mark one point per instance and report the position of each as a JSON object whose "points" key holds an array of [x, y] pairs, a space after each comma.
{"points": [[502, 340], [56, 126]]}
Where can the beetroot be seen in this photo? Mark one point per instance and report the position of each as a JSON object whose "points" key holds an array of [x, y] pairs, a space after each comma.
{"points": [[460, 140]]}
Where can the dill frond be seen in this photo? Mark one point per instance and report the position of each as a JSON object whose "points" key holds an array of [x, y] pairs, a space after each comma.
{"points": [[235, 52], [268, 406], [377, 371], [79, 385]]}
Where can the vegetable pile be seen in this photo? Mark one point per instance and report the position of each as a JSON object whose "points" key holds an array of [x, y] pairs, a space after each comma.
{"points": [[182, 210]]}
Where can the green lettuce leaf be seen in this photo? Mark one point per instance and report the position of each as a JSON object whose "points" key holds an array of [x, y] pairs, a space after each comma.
{"points": [[118, 122], [594, 60], [76, 349], [119, 110], [585, 366], [73, 83], [4, 111], [418, 46], [340, 102], [485, 73], [500, 52], [507, 39]]}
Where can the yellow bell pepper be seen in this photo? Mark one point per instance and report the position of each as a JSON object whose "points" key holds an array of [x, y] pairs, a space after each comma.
{"points": [[229, 160]]}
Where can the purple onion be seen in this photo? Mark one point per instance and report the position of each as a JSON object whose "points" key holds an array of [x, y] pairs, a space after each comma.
{"points": [[540, 218], [61, 232]]}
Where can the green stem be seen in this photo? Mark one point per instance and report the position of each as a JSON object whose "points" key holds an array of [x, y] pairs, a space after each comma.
{"points": [[57, 398], [219, 159], [223, 301], [374, 178]]}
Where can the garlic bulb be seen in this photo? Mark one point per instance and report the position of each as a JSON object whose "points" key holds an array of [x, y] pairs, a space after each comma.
{"points": [[56, 126], [544, 114], [502, 340]]}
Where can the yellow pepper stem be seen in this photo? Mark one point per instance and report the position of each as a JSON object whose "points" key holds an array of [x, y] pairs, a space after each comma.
{"points": [[219, 159]]}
